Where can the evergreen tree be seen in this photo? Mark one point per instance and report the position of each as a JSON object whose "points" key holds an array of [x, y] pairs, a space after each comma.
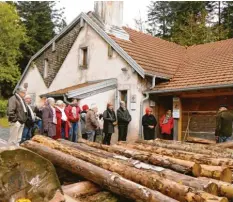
{"points": [[159, 18], [42, 21], [227, 18], [12, 35]]}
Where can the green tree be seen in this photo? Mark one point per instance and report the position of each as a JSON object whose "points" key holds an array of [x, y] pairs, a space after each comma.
{"points": [[227, 18], [159, 18], [42, 21], [12, 35]]}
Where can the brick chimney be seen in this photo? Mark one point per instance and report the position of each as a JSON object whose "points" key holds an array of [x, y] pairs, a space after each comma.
{"points": [[111, 14]]}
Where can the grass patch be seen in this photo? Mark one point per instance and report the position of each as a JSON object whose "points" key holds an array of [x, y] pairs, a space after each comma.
{"points": [[4, 122]]}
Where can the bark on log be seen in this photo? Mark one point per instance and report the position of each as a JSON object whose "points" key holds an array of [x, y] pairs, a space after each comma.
{"points": [[198, 158], [190, 147], [100, 197], [80, 189], [148, 179], [228, 145], [200, 141], [169, 174], [181, 166], [224, 188], [109, 180]]}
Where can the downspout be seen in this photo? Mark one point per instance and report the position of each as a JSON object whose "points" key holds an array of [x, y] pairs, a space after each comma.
{"points": [[65, 99], [141, 107]]}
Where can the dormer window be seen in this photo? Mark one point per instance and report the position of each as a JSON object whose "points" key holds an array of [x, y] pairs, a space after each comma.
{"points": [[46, 64], [83, 57]]}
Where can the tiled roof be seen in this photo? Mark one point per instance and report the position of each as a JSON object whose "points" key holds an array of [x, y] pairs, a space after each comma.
{"points": [[196, 66], [205, 65], [154, 55], [71, 88]]}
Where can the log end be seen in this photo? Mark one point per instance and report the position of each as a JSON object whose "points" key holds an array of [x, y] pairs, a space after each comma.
{"points": [[212, 188], [196, 170], [226, 175]]}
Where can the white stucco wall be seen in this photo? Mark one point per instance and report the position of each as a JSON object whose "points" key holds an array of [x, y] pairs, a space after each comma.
{"points": [[35, 82], [100, 67]]}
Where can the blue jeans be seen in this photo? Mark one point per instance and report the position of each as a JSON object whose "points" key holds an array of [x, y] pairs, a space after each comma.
{"points": [[63, 132], [73, 132], [223, 139], [91, 135], [27, 134]]}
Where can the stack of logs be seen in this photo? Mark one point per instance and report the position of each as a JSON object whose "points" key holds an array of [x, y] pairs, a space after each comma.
{"points": [[151, 171]]}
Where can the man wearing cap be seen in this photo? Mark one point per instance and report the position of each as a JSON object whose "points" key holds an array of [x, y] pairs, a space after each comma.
{"points": [[224, 121], [17, 115]]}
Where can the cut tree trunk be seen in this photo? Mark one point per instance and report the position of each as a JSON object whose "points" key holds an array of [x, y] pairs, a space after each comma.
{"points": [[198, 158], [189, 147], [80, 189], [109, 180], [217, 172], [181, 166], [200, 140], [169, 174], [148, 179], [224, 188]]}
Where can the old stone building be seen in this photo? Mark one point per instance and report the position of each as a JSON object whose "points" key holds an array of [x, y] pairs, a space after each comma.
{"points": [[97, 60]]}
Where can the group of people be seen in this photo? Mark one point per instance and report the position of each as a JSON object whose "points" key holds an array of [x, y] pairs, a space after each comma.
{"points": [[149, 123], [57, 119]]}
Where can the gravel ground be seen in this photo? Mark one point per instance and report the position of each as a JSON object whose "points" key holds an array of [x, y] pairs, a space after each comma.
{"points": [[4, 133]]}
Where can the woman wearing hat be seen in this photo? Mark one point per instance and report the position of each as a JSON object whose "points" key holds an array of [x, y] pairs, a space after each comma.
{"points": [[149, 123], [109, 117]]}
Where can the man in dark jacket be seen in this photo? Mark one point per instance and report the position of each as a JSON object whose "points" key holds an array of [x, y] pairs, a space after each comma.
{"points": [[224, 121], [123, 119], [109, 117], [17, 115]]}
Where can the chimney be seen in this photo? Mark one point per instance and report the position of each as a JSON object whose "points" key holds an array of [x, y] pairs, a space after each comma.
{"points": [[111, 14]]}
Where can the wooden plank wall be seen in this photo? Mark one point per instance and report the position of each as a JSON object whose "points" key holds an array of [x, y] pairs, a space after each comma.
{"points": [[202, 112]]}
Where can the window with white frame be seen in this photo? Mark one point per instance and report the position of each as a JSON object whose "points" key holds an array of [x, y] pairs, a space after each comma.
{"points": [[46, 64]]}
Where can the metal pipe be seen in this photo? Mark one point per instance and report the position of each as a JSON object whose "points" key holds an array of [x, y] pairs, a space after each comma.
{"points": [[153, 82], [141, 114]]}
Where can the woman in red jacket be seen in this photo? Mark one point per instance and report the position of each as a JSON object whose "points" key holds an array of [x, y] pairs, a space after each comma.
{"points": [[166, 124], [62, 127]]}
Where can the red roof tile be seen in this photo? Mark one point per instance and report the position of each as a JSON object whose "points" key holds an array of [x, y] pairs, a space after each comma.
{"points": [[196, 66]]}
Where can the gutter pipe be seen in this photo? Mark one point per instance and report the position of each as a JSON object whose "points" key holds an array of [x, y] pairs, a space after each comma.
{"points": [[141, 107]]}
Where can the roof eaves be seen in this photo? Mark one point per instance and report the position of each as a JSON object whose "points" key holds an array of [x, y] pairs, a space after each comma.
{"points": [[190, 88], [115, 46], [94, 87]]}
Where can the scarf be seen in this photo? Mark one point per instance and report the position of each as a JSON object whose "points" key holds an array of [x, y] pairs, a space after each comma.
{"points": [[74, 112], [31, 112], [22, 102], [166, 119], [63, 114]]}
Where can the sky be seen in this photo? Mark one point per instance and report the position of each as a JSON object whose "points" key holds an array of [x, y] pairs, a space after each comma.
{"points": [[132, 9]]}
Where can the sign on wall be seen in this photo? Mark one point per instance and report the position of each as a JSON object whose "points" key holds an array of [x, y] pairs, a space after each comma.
{"points": [[133, 102], [176, 107]]}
